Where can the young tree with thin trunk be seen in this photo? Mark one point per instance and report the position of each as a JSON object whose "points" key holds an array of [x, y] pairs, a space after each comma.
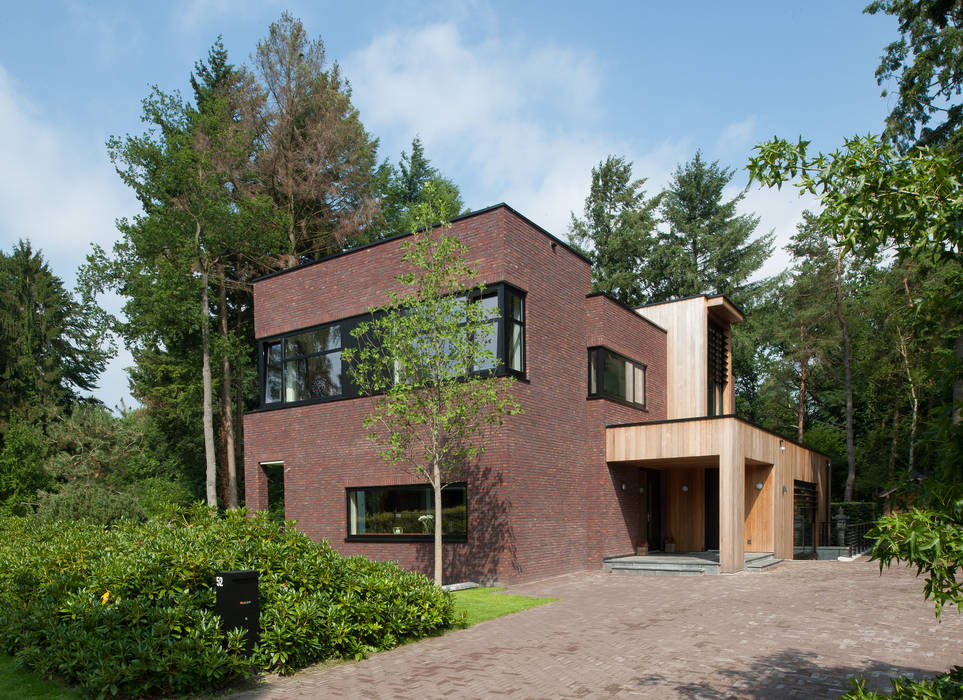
{"points": [[424, 359]]}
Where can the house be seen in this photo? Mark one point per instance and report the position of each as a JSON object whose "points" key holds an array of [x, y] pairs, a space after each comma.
{"points": [[628, 432]]}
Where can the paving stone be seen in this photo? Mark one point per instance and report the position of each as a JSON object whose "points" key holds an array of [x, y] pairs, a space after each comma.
{"points": [[799, 631]]}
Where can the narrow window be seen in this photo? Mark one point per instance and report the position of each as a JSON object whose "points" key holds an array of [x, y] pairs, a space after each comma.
{"points": [[717, 372], [515, 327]]}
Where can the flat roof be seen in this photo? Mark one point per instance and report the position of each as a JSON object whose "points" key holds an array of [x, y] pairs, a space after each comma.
{"points": [[480, 212]]}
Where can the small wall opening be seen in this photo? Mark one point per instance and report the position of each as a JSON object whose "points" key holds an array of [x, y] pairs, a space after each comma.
{"points": [[274, 476]]}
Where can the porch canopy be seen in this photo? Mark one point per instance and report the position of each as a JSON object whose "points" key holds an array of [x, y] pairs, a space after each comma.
{"points": [[757, 473]]}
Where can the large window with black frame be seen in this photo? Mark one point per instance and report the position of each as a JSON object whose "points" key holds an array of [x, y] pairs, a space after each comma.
{"points": [[305, 366], [406, 511]]}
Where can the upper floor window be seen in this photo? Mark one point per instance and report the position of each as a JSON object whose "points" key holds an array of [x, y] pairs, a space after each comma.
{"points": [[615, 376], [305, 366]]}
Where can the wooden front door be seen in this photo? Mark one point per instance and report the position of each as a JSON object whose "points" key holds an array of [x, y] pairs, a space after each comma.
{"points": [[650, 497]]}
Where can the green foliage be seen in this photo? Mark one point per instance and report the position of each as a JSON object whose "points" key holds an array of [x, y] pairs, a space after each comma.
{"points": [[481, 604], [856, 511], [948, 686], [21, 468], [407, 187], [708, 248], [53, 345], [129, 610], [927, 63], [930, 538], [617, 233]]}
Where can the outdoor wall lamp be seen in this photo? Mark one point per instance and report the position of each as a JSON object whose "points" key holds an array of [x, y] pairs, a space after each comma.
{"points": [[758, 486], [784, 489], [623, 486], [684, 489], [782, 445]]}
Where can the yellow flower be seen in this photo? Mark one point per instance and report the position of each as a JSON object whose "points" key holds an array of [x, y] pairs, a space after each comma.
{"points": [[105, 598]]}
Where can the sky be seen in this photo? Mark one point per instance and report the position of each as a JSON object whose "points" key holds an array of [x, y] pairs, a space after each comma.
{"points": [[514, 101]]}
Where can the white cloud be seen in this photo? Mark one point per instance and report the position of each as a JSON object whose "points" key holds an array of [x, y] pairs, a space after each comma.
{"points": [[58, 191], [737, 136], [484, 108]]}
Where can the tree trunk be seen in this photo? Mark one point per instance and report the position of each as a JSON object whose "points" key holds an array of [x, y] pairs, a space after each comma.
{"points": [[436, 486], [211, 463], [803, 370], [895, 444], [227, 402], [848, 380], [915, 400]]}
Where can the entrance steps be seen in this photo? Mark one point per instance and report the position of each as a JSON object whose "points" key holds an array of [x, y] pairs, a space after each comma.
{"points": [[683, 563]]}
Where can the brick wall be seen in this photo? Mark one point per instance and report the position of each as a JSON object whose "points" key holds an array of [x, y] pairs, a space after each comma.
{"points": [[542, 500]]}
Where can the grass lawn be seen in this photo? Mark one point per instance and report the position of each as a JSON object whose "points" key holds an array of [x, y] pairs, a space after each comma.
{"points": [[485, 603], [15, 683]]}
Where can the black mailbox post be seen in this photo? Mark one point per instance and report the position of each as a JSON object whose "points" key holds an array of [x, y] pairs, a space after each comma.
{"points": [[238, 604]]}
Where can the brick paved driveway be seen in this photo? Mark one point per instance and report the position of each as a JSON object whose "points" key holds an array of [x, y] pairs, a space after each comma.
{"points": [[796, 632]]}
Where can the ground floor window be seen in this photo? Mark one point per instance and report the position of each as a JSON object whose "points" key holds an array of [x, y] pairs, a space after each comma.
{"points": [[406, 511]]}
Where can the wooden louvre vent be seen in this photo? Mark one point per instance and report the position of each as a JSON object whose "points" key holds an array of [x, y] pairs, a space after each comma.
{"points": [[718, 367]]}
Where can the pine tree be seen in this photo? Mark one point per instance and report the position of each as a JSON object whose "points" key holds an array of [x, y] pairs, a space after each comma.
{"points": [[709, 248], [617, 233]]}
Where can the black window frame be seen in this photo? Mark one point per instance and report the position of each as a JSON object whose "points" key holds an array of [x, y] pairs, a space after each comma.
{"points": [[595, 383], [504, 292], [408, 537]]}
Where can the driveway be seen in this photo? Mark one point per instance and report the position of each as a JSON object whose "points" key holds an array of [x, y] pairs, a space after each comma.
{"points": [[799, 631]]}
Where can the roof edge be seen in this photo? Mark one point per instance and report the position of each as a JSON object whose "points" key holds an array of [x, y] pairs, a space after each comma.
{"points": [[628, 308], [462, 217]]}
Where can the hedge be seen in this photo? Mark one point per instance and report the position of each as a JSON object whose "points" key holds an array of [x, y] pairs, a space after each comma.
{"points": [[128, 610]]}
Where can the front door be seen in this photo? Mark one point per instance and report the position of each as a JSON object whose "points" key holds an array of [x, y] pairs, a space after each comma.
{"points": [[712, 508], [650, 498]]}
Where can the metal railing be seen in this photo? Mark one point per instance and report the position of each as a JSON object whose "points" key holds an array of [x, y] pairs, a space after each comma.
{"points": [[856, 538]]}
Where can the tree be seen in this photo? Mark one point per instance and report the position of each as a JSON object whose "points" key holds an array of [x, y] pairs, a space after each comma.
{"points": [[407, 186], [617, 233], [419, 357], [927, 63], [53, 345], [315, 161], [708, 247], [192, 173]]}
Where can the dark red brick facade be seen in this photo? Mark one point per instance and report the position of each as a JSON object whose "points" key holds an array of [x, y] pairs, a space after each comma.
{"points": [[542, 500]]}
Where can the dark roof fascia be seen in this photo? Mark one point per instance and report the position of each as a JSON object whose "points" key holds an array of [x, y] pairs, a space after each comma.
{"points": [[695, 296], [399, 236], [726, 415], [627, 308]]}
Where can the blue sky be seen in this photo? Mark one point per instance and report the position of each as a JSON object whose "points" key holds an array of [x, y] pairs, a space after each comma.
{"points": [[514, 101]]}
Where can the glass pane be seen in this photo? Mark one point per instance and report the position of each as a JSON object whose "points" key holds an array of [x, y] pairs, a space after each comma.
{"points": [[613, 374], [314, 341], [593, 371], [515, 348], [490, 306], [393, 510], [629, 381], [517, 308], [324, 375], [639, 392], [272, 384], [295, 381], [487, 342], [274, 354]]}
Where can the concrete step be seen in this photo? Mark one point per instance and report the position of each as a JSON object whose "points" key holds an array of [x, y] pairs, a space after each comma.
{"points": [[640, 565], [761, 563]]}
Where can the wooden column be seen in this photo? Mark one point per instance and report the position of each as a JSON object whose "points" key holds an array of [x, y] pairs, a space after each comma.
{"points": [[732, 495]]}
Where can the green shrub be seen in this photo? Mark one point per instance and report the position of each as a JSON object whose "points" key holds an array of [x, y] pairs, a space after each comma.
{"points": [[856, 511], [92, 502], [949, 686], [128, 610]]}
